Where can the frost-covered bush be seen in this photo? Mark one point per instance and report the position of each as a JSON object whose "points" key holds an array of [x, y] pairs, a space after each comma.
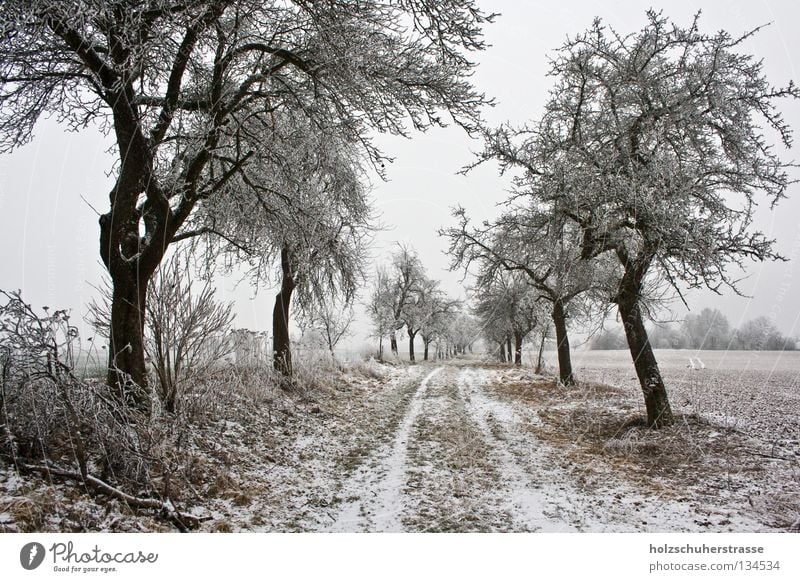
{"points": [[48, 415]]}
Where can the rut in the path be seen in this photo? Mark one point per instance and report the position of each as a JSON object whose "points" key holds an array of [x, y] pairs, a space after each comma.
{"points": [[378, 486], [453, 485], [460, 455], [502, 428]]}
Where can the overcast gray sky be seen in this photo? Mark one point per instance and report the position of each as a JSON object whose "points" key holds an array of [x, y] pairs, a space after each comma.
{"points": [[49, 230]]}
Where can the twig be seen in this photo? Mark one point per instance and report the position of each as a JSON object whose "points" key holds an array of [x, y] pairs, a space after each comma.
{"points": [[183, 521], [766, 456]]}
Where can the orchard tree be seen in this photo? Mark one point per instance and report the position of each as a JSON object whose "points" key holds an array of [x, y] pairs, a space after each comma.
{"points": [[407, 279], [424, 313], [659, 143], [513, 304], [439, 321], [175, 83], [380, 307], [464, 331], [494, 328], [545, 248], [305, 210]]}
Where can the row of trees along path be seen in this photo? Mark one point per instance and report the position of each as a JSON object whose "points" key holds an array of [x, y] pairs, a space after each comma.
{"points": [[403, 296], [205, 99], [644, 171]]}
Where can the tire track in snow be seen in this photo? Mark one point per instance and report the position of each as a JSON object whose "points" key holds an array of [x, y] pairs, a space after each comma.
{"points": [[378, 484], [526, 499]]}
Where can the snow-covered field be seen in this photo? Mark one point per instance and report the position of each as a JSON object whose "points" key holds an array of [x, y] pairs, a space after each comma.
{"points": [[469, 446], [757, 393]]}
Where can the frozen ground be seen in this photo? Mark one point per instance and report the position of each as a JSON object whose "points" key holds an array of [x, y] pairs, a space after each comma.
{"points": [[467, 446]]}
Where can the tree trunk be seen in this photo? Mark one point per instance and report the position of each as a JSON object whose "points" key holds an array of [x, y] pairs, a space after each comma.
{"points": [[427, 343], [380, 348], [503, 352], [659, 412], [127, 371], [281, 346], [411, 336], [539, 363], [508, 348], [562, 342], [517, 349], [393, 343]]}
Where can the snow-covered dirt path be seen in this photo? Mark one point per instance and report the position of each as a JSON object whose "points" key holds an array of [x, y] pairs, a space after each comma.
{"points": [[377, 485], [463, 458]]}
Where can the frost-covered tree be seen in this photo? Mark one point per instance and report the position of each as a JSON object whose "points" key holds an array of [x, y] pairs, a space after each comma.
{"points": [[407, 278], [173, 81], [659, 145], [299, 217], [761, 334], [440, 321], [332, 320], [426, 312], [463, 332], [186, 328], [507, 303], [543, 247], [380, 307]]}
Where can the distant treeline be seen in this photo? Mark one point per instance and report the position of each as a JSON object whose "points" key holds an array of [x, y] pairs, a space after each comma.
{"points": [[708, 330]]}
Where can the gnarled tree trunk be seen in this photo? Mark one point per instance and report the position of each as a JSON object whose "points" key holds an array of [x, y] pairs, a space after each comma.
{"points": [[562, 342], [517, 348], [281, 346], [659, 412], [411, 336], [503, 351], [127, 371]]}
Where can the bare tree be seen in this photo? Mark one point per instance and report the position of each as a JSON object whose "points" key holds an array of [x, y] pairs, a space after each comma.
{"points": [[654, 145], [186, 327], [407, 277], [540, 245], [761, 334], [416, 311], [332, 320], [462, 332], [440, 321], [178, 84], [380, 307], [709, 330], [510, 305]]}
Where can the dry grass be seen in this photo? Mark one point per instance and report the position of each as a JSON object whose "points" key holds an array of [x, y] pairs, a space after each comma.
{"points": [[452, 470], [602, 430], [232, 433]]}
